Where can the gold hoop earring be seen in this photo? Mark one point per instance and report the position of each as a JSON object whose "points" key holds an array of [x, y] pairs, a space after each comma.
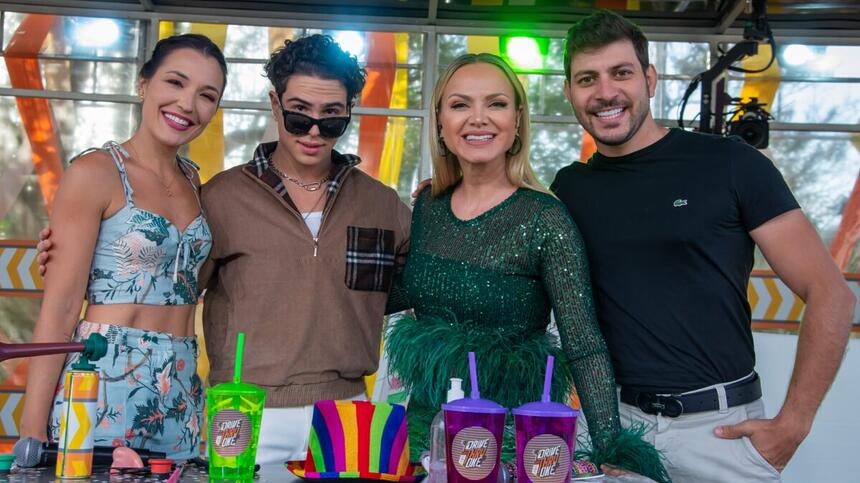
{"points": [[443, 149], [516, 147]]}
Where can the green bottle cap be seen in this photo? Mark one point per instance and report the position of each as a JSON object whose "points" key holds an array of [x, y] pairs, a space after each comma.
{"points": [[95, 347]]}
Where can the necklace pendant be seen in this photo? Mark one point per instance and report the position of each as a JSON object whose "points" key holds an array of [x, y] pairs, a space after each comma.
{"points": [[313, 186]]}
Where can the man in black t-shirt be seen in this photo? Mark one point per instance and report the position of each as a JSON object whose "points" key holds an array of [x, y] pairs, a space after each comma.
{"points": [[671, 220]]}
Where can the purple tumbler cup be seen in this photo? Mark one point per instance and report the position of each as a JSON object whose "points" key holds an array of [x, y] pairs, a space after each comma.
{"points": [[545, 434], [473, 436]]}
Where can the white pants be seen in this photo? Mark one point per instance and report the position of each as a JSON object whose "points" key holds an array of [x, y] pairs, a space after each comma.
{"points": [[693, 453], [284, 433]]}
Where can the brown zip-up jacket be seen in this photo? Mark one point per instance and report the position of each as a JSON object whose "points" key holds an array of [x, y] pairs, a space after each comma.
{"points": [[311, 309]]}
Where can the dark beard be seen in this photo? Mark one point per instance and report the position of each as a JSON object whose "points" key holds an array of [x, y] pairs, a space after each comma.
{"points": [[635, 125]]}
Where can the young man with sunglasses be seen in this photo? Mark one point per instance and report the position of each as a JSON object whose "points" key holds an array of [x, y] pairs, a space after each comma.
{"points": [[305, 248]]}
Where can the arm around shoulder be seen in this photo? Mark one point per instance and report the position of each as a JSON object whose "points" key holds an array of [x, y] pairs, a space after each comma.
{"points": [[398, 300], [404, 224]]}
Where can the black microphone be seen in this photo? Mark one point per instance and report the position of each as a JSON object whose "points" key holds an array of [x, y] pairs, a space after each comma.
{"points": [[30, 452]]}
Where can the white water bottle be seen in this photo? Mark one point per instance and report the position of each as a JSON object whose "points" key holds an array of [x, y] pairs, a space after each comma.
{"points": [[438, 471]]}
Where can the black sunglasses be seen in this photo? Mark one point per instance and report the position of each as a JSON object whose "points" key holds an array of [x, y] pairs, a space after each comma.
{"points": [[300, 124]]}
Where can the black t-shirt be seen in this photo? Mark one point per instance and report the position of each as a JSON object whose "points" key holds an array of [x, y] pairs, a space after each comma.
{"points": [[667, 234]]}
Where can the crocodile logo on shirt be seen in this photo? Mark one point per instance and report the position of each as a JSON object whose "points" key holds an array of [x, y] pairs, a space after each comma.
{"points": [[679, 203]]}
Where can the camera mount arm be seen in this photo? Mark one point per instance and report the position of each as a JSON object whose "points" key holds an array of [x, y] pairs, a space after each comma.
{"points": [[713, 81], [714, 96]]}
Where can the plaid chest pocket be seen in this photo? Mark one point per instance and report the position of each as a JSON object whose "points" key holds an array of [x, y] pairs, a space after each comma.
{"points": [[369, 258]]}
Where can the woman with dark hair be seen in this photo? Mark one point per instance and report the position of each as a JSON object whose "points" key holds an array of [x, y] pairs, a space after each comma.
{"points": [[129, 235]]}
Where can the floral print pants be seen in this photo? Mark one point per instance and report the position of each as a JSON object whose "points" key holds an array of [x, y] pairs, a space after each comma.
{"points": [[150, 395]]}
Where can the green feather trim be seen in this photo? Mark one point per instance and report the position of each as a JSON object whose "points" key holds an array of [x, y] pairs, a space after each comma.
{"points": [[629, 451], [425, 353], [418, 426]]}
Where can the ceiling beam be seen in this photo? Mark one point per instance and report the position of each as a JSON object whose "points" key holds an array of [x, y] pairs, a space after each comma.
{"points": [[730, 15], [432, 11], [40, 5], [812, 28]]}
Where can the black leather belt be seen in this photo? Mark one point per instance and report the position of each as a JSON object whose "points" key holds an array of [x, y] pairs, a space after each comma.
{"points": [[674, 405]]}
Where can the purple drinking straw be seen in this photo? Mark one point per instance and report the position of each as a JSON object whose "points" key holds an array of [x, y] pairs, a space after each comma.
{"points": [[473, 376], [547, 379]]}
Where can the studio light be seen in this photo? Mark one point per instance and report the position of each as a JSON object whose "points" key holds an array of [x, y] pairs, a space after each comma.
{"points": [[99, 32], [524, 53], [350, 41]]}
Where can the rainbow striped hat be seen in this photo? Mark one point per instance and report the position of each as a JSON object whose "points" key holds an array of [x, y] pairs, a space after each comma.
{"points": [[358, 440]]}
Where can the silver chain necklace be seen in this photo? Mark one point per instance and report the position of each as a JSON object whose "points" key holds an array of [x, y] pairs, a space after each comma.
{"points": [[312, 186]]}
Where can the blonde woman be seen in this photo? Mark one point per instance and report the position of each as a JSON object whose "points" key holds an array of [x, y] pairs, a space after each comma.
{"points": [[492, 253]]}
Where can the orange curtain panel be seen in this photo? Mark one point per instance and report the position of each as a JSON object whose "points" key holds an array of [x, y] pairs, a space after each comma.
{"points": [[36, 117]]}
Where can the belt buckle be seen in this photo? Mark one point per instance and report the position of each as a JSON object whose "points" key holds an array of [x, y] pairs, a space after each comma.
{"points": [[650, 403]]}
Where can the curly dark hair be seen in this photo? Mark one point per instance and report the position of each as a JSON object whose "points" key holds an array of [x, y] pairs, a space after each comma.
{"points": [[315, 55]]}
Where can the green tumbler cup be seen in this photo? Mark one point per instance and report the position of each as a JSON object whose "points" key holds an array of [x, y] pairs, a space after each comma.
{"points": [[235, 410]]}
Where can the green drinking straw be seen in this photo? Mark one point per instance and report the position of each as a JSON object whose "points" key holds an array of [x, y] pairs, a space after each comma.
{"points": [[240, 346]]}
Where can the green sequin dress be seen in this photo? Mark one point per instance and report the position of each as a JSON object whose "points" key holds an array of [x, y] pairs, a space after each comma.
{"points": [[488, 285]]}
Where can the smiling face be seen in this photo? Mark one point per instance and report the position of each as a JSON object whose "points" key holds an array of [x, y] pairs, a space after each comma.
{"points": [[314, 97], [181, 97], [610, 95], [478, 115]]}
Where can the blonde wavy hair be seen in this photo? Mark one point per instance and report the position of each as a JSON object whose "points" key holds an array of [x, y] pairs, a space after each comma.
{"points": [[446, 167]]}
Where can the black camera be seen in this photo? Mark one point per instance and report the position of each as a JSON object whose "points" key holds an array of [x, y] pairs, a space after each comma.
{"points": [[749, 120], [750, 123]]}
